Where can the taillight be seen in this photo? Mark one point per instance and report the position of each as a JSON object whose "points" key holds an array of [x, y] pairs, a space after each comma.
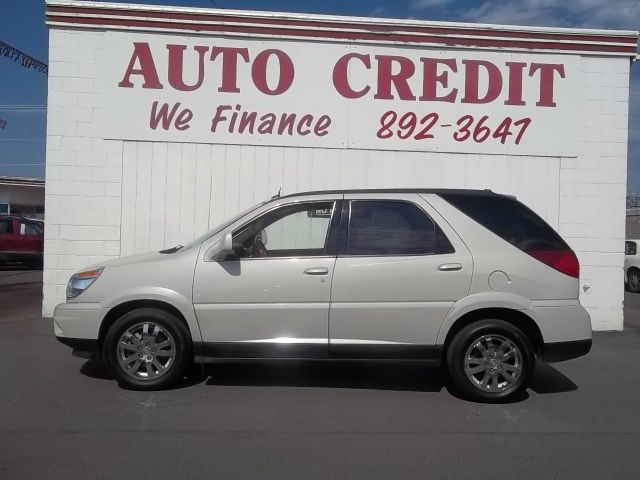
{"points": [[564, 261]]}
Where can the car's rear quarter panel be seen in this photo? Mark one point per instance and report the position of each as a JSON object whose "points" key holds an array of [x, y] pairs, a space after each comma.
{"points": [[527, 276], [549, 297]]}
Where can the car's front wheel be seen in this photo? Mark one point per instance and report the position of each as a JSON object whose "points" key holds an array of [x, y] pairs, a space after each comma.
{"points": [[147, 349], [490, 361]]}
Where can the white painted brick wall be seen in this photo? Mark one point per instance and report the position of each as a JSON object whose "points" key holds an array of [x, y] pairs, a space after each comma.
{"points": [[593, 188], [110, 198], [84, 172]]}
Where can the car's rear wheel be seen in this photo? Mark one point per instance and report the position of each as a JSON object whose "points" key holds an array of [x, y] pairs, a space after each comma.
{"points": [[148, 349], [633, 280], [490, 361]]}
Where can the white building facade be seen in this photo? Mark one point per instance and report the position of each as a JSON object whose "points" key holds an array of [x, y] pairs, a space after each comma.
{"points": [[162, 122]]}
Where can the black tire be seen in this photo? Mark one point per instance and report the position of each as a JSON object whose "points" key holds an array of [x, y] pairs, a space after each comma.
{"points": [[470, 384], [633, 280], [171, 329]]}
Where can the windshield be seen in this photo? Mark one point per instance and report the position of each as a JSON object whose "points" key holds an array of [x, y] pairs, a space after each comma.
{"points": [[222, 226]]}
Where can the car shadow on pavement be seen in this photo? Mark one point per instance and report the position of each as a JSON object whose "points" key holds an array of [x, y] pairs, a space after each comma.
{"points": [[547, 379], [365, 375], [94, 368], [379, 375]]}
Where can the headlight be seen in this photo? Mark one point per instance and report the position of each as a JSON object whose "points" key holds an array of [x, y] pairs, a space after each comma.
{"points": [[81, 281]]}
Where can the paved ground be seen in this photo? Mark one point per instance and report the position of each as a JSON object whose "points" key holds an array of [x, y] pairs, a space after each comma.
{"points": [[63, 418]]}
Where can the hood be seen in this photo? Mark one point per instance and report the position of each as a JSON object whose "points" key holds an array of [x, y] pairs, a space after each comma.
{"points": [[130, 260]]}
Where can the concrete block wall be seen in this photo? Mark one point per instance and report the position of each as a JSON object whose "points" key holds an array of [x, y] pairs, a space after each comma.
{"points": [[593, 189], [83, 171], [106, 198]]}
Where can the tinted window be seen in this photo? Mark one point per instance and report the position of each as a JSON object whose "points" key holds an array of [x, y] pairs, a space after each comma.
{"points": [[509, 219], [289, 231], [630, 248], [6, 226], [392, 228]]}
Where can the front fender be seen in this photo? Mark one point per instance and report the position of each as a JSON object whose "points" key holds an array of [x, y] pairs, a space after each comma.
{"points": [[164, 295]]}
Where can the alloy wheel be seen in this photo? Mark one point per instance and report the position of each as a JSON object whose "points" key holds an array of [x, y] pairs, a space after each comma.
{"points": [[493, 363], [146, 351]]}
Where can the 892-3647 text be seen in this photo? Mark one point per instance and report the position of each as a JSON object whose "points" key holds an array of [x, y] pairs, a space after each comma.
{"points": [[411, 126]]}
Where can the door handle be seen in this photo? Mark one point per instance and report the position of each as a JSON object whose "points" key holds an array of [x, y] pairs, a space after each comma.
{"points": [[450, 267], [317, 271]]}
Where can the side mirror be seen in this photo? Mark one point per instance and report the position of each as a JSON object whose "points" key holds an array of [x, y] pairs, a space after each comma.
{"points": [[227, 243], [262, 236], [220, 249]]}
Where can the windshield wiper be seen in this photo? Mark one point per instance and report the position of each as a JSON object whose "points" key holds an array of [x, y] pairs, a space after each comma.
{"points": [[171, 250]]}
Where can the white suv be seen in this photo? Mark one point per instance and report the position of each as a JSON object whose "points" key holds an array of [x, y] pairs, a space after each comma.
{"points": [[472, 279]]}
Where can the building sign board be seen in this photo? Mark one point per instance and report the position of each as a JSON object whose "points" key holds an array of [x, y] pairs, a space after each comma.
{"points": [[335, 95]]}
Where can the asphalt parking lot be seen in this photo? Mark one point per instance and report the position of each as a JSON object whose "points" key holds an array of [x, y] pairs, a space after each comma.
{"points": [[62, 417]]}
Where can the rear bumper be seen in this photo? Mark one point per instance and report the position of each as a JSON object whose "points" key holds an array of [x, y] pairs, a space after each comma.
{"points": [[561, 322], [561, 351]]}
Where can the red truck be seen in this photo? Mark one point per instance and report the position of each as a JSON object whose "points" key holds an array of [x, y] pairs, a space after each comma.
{"points": [[21, 241]]}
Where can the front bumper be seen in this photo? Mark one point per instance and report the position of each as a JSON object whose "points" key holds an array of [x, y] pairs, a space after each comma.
{"points": [[77, 325]]}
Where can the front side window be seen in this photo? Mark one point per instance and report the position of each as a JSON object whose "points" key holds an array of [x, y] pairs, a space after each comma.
{"points": [[298, 230], [630, 248], [392, 228]]}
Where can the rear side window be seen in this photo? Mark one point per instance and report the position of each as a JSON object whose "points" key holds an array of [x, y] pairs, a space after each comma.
{"points": [[630, 248], [393, 228], [6, 226], [510, 220]]}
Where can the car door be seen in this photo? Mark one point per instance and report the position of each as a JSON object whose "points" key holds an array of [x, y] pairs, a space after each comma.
{"points": [[8, 239], [401, 270], [30, 239], [272, 296]]}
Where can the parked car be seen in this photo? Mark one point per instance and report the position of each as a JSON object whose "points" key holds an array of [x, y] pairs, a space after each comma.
{"points": [[632, 265], [472, 279], [21, 241]]}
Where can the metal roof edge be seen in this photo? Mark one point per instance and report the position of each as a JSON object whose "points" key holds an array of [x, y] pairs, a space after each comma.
{"points": [[22, 181], [341, 18]]}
